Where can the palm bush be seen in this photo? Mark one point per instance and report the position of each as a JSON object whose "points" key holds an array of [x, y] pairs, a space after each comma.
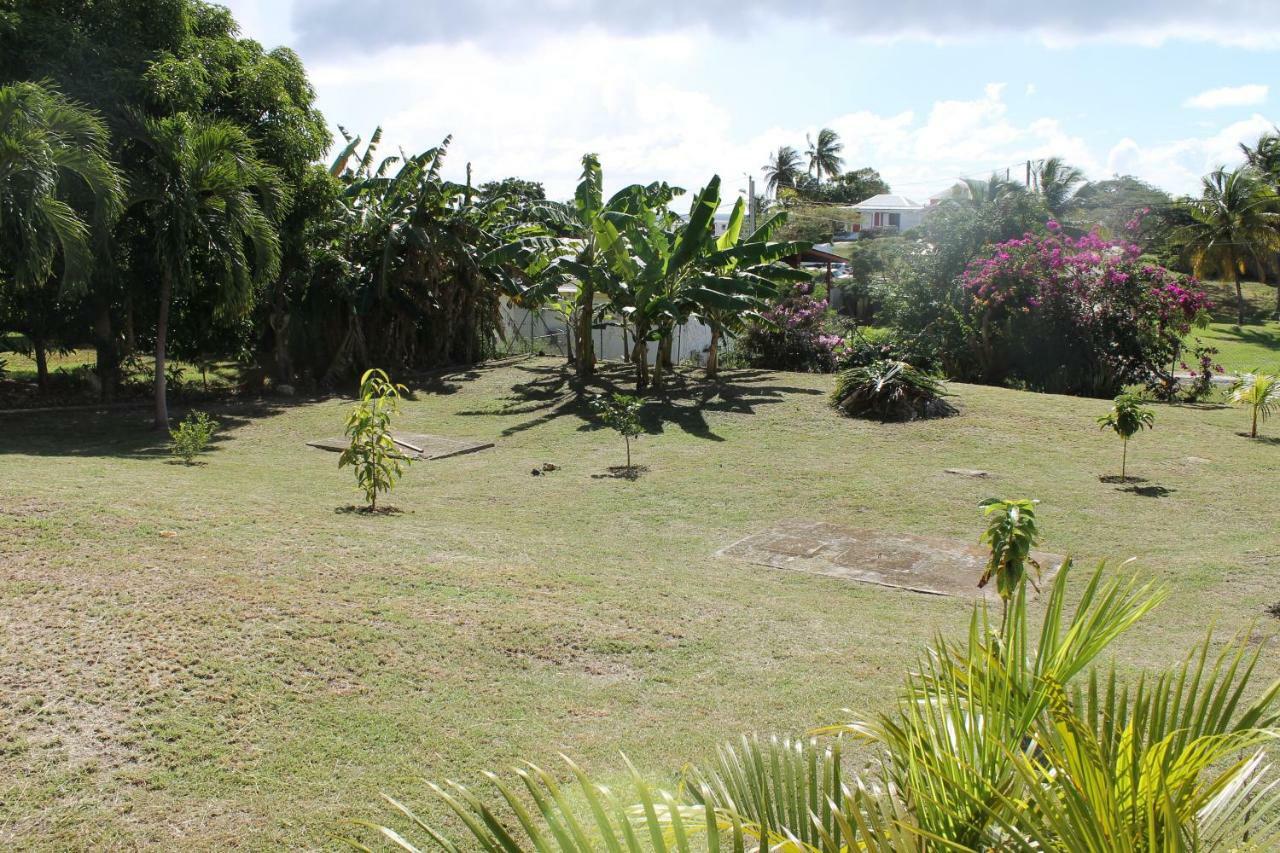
{"points": [[890, 391], [1260, 392], [1010, 739]]}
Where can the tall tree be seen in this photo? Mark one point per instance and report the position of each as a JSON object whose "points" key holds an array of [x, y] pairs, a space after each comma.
{"points": [[1233, 222], [58, 191], [1056, 182], [783, 169], [206, 201], [824, 154]]}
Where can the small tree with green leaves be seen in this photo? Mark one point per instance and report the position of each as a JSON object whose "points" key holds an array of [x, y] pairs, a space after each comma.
{"points": [[1260, 392], [191, 437], [620, 412], [373, 453], [1127, 417], [1012, 533]]}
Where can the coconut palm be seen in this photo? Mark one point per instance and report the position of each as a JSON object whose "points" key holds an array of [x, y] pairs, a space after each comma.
{"points": [[1056, 182], [824, 155], [206, 200], [980, 193], [783, 169], [1261, 393], [1232, 223], [57, 187]]}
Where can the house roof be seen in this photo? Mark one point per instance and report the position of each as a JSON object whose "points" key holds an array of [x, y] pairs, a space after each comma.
{"points": [[888, 201]]}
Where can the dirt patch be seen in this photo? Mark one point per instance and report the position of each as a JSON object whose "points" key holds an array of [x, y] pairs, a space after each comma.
{"points": [[415, 445], [900, 560]]}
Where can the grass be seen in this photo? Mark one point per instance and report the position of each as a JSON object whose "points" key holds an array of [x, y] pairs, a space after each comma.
{"points": [[1243, 348], [219, 656]]}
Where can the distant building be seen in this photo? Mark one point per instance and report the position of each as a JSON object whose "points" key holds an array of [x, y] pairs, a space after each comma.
{"points": [[886, 213]]}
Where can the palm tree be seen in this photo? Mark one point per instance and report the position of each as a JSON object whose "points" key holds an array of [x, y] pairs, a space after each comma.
{"points": [[206, 200], [824, 155], [783, 169], [53, 156], [1261, 393], [1231, 223], [1265, 157], [980, 193], [1056, 182]]}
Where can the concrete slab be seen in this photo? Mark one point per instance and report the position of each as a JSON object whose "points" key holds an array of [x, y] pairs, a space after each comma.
{"points": [[415, 445], [921, 564]]}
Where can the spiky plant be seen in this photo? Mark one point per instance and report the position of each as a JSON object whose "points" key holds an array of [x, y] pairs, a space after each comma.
{"points": [[890, 391]]}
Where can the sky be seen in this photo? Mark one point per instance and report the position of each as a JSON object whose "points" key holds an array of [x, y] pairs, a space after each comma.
{"points": [[925, 91]]}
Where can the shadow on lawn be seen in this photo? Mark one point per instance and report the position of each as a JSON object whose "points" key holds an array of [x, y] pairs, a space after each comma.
{"points": [[121, 432], [553, 391]]}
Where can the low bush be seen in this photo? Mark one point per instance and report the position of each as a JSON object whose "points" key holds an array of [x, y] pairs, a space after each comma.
{"points": [[190, 438], [889, 390]]}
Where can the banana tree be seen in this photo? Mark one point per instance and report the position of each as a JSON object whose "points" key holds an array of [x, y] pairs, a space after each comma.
{"points": [[676, 270], [569, 253]]}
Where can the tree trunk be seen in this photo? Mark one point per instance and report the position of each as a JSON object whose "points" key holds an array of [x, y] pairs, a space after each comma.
{"points": [[1124, 460], [640, 355], [283, 369], [130, 334], [1253, 431], [162, 331], [42, 362], [108, 361], [659, 364], [1239, 299], [713, 353], [586, 347]]}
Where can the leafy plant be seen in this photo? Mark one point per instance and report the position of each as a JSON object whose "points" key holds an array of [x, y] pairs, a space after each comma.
{"points": [[1261, 393], [373, 454], [191, 437], [1012, 533], [890, 391], [620, 412], [1127, 417]]}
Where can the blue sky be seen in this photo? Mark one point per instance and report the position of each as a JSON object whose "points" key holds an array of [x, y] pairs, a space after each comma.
{"points": [[923, 91]]}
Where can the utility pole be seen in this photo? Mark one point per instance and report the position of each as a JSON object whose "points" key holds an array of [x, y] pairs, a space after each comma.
{"points": [[1028, 174], [751, 200]]}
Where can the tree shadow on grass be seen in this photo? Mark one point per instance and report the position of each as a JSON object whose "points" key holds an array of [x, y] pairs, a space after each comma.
{"points": [[1149, 491], [554, 391], [122, 432], [1261, 439]]}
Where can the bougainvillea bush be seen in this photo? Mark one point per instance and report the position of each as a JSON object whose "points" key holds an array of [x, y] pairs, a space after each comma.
{"points": [[1075, 315], [797, 334]]}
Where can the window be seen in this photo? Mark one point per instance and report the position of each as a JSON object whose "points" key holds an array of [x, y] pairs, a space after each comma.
{"points": [[895, 219], [879, 219]]}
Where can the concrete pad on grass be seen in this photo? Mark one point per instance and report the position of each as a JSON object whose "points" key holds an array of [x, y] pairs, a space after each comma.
{"points": [[901, 560]]}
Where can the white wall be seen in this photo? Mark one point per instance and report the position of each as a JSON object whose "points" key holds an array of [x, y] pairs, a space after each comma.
{"points": [[546, 330]]}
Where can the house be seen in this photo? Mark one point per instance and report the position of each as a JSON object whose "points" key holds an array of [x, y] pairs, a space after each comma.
{"points": [[886, 213]]}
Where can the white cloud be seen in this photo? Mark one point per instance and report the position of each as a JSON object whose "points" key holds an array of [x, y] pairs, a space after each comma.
{"points": [[1179, 164], [1229, 96]]}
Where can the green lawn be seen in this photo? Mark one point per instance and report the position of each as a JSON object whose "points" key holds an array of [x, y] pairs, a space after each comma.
{"points": [[1255, 345], [218, 656]]}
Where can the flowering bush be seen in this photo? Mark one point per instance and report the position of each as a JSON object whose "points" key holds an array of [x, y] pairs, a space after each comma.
{"points": [[1076, 315], [795, 335]]}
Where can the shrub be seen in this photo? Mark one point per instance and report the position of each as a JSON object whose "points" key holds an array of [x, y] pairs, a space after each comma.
{"points": [[620, 412], [373, 453], [890, 391], [191, 437], [1075, 315], [795, 334]]}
